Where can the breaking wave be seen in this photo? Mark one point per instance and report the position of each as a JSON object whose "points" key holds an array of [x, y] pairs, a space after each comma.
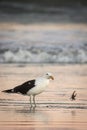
{"points": [[45, 54]]}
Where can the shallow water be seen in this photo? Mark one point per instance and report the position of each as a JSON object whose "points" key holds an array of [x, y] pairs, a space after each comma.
{"points": [[54, 108]]}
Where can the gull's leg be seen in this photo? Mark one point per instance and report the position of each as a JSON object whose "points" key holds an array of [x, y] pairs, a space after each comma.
{"points": [[30, 101], [34, 100]]}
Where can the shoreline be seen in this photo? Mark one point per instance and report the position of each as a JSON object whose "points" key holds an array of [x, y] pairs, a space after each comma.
{"points": [[54, 108]]}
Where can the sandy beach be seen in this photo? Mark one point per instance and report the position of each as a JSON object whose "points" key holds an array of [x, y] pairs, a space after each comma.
{"points": [[54, 108]]}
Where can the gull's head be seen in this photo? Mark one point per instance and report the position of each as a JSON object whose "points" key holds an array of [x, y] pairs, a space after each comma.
{"points": [[49, 76]]}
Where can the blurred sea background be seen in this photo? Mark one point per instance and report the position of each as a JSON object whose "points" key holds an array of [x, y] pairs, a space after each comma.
{"points": [[43, 31]]}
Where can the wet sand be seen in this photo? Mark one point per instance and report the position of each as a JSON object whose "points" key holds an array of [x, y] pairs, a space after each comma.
{"points": [[54, 108]]}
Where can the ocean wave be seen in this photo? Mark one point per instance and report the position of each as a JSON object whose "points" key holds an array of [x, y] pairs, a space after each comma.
{"points": [[46, 54]]}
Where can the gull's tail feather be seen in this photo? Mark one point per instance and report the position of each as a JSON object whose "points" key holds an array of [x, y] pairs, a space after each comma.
{"points": [[8, 91]]}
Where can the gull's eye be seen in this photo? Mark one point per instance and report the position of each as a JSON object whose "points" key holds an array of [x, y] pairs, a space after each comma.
{"points": [[47, 74]]}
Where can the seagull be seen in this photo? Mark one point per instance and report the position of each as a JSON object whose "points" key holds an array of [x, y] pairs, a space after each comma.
{"points": [[73, 95], [32, 87]]}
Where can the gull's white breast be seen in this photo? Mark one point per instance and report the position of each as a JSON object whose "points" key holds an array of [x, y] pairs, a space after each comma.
{"points": [[40, 85]]}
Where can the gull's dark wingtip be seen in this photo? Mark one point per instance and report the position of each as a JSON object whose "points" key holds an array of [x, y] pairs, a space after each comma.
{"points": [[7, 91]]}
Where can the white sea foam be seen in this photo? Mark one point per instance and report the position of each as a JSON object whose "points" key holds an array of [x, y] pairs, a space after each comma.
{"points": [[42, 55]]}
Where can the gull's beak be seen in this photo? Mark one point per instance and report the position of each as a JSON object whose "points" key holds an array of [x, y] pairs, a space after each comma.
{"points": [[51, 77]]}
